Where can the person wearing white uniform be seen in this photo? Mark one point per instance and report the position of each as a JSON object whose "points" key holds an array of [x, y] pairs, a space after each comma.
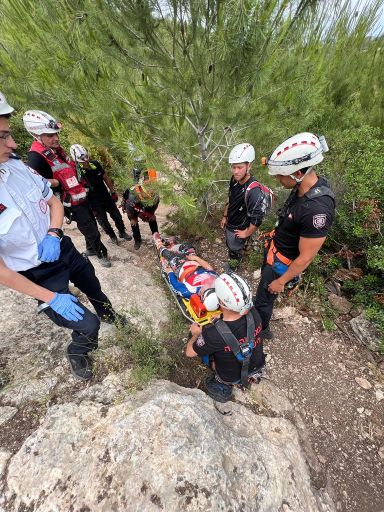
{"points": [[36, 258]]}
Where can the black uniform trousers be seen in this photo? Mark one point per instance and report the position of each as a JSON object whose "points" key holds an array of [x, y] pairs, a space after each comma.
{"points": [[73, 266], [85, 220], [263, 300], [134, 217], [107, 205]]}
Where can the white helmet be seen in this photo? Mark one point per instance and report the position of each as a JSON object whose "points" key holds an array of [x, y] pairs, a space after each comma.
{"points": [[209, 299], [5, 108], [79, 153], [38, 122], [298, 152], [242, 153], [233, 293]]}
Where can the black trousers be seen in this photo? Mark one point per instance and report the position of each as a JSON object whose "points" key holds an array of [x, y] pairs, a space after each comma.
{"points": [[263, 300], [133, 217], [73, 266], [86, 223], [101, 210]]}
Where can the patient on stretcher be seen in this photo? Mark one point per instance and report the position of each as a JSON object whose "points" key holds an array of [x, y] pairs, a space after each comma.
{"points": [[190, 276]]}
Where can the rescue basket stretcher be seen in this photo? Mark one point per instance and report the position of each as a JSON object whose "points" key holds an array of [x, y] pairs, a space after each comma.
{"points": [[184, 304]]}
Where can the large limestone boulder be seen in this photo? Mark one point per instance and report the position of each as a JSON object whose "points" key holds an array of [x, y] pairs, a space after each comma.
{"points": [[165, 448]]}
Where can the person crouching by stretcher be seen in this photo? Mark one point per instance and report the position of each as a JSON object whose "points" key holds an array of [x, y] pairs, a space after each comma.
{"points": [[190, 277], [141, 202], [231, 345]]}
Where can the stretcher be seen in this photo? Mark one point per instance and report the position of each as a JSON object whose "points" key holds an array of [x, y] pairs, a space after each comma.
{"points": [[184, 304]]}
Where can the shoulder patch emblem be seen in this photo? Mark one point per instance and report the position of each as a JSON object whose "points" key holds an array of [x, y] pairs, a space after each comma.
{"points": [[200, 341], [43, 206], [319, 220], [2, 208]]}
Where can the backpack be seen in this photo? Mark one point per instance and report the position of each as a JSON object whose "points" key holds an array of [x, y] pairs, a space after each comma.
{"points": [[267, 194]]}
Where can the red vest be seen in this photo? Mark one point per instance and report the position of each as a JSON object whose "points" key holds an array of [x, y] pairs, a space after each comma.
{"points": [[64, 171]]}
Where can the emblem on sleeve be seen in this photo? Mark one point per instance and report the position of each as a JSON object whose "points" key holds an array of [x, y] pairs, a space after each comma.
{"points": [[43, 206], [200, 341], [319, 220]]}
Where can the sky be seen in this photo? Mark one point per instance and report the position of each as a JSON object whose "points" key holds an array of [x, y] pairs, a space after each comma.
{"points": [[359, 4]]}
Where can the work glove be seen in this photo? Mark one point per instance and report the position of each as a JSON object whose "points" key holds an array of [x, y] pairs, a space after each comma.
{"points": [[48, 249], [115, 197], [65, 305]]}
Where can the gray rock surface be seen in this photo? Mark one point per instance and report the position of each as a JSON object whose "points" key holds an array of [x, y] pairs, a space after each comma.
{"points": [[165, 448], [341, 304], [6, 413], [5, 455], [365, 332]]}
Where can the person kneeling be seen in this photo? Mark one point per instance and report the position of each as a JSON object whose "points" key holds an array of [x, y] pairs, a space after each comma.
{"points": [[232, 344]]}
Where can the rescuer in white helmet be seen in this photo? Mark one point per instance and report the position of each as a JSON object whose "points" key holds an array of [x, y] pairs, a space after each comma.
{"points": [[303, 222], [247, 203], [232, 346], [48, 158]]}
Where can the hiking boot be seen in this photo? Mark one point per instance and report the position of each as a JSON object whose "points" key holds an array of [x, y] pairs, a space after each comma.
{"points": [[90, 252], [80, 366], [105, 262], [267, 334], [114, 240], [219, 391], [137, 244], [125, 236]]}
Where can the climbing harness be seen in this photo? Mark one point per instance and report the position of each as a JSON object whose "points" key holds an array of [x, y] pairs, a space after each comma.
{"points": [[242, 351]]}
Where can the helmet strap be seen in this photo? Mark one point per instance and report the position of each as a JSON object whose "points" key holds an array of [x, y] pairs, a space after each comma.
{"points": [[299, 180]]}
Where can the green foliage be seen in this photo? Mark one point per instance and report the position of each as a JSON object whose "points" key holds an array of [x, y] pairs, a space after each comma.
{"points": [[375, 313], [375, 257], [255, 258], [356, 169]]}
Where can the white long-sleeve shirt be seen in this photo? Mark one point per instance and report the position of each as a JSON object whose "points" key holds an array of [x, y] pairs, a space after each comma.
{"points": [[24, 214]]}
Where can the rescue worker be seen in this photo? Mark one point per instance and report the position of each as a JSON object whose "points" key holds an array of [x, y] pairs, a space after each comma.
{"points": [[303, 222], [48, 158], [247, 203], [101, 199], [37, 260], [232, 345], [140, 202]]}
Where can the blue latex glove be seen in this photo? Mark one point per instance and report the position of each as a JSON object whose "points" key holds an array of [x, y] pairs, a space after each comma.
{"points": [[49, 249], [65, 305]]}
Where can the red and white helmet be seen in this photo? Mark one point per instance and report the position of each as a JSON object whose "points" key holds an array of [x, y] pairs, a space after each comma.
{"points": [[38, 122], [242, 153], [233, 293], [5, 107], [79, 153], [298, 152]]}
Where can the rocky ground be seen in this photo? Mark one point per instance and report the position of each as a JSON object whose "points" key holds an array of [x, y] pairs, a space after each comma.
{"points": [[327, 386]]}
